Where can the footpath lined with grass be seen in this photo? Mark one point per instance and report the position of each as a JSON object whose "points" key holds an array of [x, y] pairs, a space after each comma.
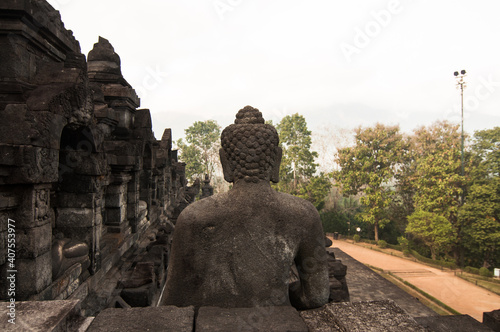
{"points": [[488, 283], [437, 284], [426, 299]]}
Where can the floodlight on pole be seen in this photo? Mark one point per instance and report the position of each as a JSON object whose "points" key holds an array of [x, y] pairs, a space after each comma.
{"points": [[461, 84]]}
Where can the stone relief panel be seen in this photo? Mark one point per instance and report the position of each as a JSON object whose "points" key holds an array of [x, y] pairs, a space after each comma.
{"points": [[42, 205]]}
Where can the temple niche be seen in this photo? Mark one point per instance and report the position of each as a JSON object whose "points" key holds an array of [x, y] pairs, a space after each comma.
{"points": [[81, 171]]}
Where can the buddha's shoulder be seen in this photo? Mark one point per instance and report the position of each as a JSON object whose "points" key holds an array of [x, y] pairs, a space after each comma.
{"points": [[295, 204], [206, 205]]}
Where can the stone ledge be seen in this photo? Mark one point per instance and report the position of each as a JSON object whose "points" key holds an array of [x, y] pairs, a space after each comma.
{"points": [[43, 316], [452, 324], [371, 316], [281, 318], [168, 318], [492, 319]]}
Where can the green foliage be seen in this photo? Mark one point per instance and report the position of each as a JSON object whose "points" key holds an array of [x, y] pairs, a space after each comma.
{"points": [[339, 221], [481, 220], [486, 148], [434, 230], [334, 221], [485, 272], [394, 246], [200, 151], [356, 238], [297, 167], [295, 140], [382, 244], [480, 215], [449, 265], [435, 176], [297, 163], [470, 269], [368, 167], [315, 190], [406, 252], [191, 156], [403, 242]]}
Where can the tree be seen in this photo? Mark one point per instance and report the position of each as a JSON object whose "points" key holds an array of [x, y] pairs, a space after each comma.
{"points": [[201, 151], [435, 174], [480, 215], [369, 167], [402, 204], [315, 190], [297, 169], [297, 163], [191, 156], [434, 230], [342, 215]]}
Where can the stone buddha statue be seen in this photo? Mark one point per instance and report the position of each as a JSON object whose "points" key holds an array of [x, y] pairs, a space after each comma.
{"points": [[67, 252], [236, 249]]}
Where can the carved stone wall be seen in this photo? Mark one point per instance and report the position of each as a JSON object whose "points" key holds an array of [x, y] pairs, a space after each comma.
{"points": [[81, 172]]}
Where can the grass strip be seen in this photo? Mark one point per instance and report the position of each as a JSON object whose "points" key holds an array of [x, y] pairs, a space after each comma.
{"points": [[486, 284], [430, 297], [425, 301]]}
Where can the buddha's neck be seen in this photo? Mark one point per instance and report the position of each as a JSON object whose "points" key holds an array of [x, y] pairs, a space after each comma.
{"points": [[244, 185]]}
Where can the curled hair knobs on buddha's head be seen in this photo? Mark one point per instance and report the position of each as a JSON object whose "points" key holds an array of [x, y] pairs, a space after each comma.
{"points": [[250, 146]]}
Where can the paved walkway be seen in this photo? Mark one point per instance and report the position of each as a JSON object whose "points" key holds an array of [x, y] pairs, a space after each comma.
{"points": [[457, 293]]}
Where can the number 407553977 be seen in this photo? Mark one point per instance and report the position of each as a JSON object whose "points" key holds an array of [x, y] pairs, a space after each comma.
{"points": [[11, 241]]}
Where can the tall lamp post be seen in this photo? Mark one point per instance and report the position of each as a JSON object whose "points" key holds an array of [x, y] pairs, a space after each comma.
{"points": [[461, 84]]}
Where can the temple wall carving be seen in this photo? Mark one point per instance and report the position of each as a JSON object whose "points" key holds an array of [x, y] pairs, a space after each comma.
{"points": [[81, 171]]}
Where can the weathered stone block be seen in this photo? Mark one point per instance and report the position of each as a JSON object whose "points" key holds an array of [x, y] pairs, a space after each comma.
{"points": [[133, 196], [116, 189], [125, 161], [78, 183], [34, 275], [40, 128], [77, 200], [34, 210], [492, 319], [19, 134], [7, 154], [33, 242], [283, 318], [166, 318], [383, 315], [132, 210], [4, 215], [60, 286], [73, 217], [44, 16], [337, 269], [72, 287], [133, 185], [8, 200], [32, 164], [116, 200], [452, 323], [37, 316], [123, 148], [3, 247]]}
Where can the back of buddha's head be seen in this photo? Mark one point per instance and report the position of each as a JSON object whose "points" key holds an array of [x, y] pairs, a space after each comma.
{"points": [[250, 146]]}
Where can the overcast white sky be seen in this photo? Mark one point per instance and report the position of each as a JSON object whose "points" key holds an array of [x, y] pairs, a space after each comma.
{"points": [[338, 63]]}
